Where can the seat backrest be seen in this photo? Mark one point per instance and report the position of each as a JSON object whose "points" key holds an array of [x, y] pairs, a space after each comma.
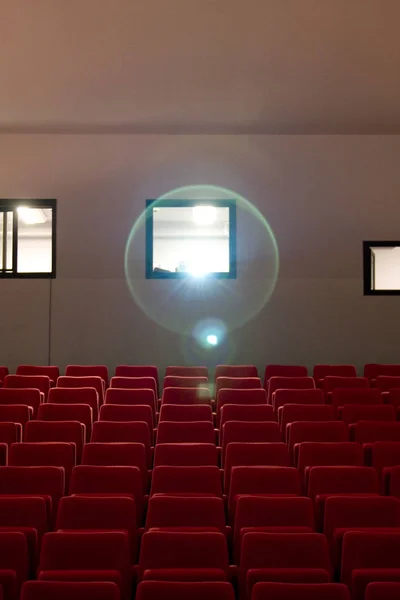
{"points": [[166, 550], [52, 372], [57, 431], [263, 511], [385, 454], [84, 382], [237, 383], [37, 382], [65, 590], [382, 590], [15, 413], [372, 371], [175, 381], [332, 382], [347, 511], [179, 590], [186, 371], [88, 371], [305, 412], [284, 371], [24, 512], [29, 397], [281, 397], [186, 395], [123, 454], [248, 431], [3, 454], [342, 480], [254, 453], [300, 591], [170, 511], [368, 432], [187, 480], [288, 383], [235, 371], [3, 373], [68, 412], [55, 454], [123, 412], [180, 412], [317, 431], [264, 480], [170, 432], [181, 455], [243, 397], [139, 371], [13, 558], [243, 412], [385, 383], [352, 413], [41, 481], [394, 488], [10, 433], [134, 383], [362, 396], [90, 396], [369, 550], [329, 453], [133, 397], [322, 371]]}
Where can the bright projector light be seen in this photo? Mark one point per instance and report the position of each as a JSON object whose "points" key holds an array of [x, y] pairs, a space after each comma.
{"points": [[204, 215], [212, 340]]}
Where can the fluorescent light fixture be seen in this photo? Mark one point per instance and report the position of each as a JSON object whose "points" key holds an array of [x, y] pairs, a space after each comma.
{"points": [[31, 216], [204, 215]]}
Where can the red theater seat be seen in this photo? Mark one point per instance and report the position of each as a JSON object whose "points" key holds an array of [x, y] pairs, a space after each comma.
{"points": [[15, 413], [316, 431], [281, 397], [394, 488], [372, 371], [254, 454], [369, 557], [139, 371], [235, 371], [134, 397], [72, 432], [363, 396], [67, 590], [183, 556], [247, 431], [122, 412], [178, 412], [14, 563], [87, 556], [68, 412], [186, 395], [191, 481], [42, 454], [243, 412], [284, 557], [134, 383], [10, 433], [382, 591], [322, 371], [87, 396], [178, 590], [128, 454], [128, 431], [83, 382], [88, 371], [243, 397], [52, 372], [182, 455], [185, 382], [386, 383], [200, 432], [3, 455], [368, 432], [385, 456], [186, 371], [3, 373], [332, 382], [170, 513], [300, 591], [35, 382], [31, 398], [290, 413], [237, 383], [289, 383], [284, 371], [352, 413], [273, 515], [311, 454]]}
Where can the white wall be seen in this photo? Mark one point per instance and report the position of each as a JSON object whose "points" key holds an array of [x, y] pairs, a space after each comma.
{"points": [[321, 195]]}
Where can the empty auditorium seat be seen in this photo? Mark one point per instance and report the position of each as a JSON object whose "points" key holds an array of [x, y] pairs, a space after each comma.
{"points": [[185, 382], [312, 454], [134, 397], [180, 412], [284, 557], [68, 412], [198, 481], [14, 563], [98, 514], [300, 591], [322, 371], [122, 412], [385, 456], [15, 413], [35, 382], [186, 395], [284, 371], [109, 481], [363, 396], [394, 483], [281, 397], [129, 454], [90, 396], [70, 590], [83, 382], [352, 413], [242, 397], [87, 556], [173, 513], [10, 433], [336, 480], [182, 590], [186, 371], [237, 383], [3, 373], [46, 482], [315, 431], [134, 383], [88, 371], [3, 455], [52, 372], [31, 398], [127, 431], [254, 453], [37, 454], [261, 481], [382, 590], [183, 556], [288, 383], [57, 431], [248, 431], [386, 383], [368, 557], [246, 412], [273, 515], [289, 413], [139, 371], [182, 455], [171, 432], [368, 432], [345, 513], [235, 371], [332, 382]]}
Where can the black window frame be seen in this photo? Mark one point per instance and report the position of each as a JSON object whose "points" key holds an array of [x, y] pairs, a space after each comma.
{"points": [[12, 205], [369, 268], [171, 203]]}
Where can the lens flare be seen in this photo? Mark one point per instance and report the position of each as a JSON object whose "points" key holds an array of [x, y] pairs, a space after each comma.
{"points": [[212, 339]]}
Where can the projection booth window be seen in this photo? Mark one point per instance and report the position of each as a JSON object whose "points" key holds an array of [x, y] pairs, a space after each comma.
{"points": [[27, 238], [382, 268], [190, 238]]}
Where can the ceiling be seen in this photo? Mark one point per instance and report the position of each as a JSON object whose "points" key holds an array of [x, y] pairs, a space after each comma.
{"points": [[200, 66]]}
